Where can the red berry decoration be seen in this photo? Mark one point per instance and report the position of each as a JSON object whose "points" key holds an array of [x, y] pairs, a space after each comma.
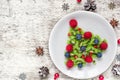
{"points": [[88, 59], [103, 46], [78, 1], [69, 63], [73, 23], [87, 35], [101, 77], [118, 41], [56, 75], [69, 48]]}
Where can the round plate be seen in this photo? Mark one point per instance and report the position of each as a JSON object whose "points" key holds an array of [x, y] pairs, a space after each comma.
{"points": [[88, 21]]}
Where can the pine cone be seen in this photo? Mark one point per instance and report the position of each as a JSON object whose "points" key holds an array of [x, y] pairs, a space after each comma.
{"points": [[87, 6], [116, 70], [43, 72], [93, 7], [90, 5]]}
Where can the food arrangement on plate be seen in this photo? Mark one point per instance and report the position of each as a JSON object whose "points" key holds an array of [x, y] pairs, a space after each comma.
{"points": [[83, 47]]}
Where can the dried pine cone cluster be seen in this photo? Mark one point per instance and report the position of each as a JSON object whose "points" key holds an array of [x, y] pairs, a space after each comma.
{"points": [[116, 70], [43, 72], [90, 5]]}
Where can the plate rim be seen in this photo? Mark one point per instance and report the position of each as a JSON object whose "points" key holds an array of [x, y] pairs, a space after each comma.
{"points": [[52, 31]]}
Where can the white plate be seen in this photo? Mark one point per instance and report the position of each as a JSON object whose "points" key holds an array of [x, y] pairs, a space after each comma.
{"points": [[88, 21]]}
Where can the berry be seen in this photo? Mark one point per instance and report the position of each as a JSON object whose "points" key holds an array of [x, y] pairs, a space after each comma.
{"points": [[101, 77], [56, 75], [103, 46], [82, 48], [69, 64], [87, 35], [96, 41], [78, 36], [80, 65], [67, 54], [83, 56], [78, 1], [99, 55], [69, 48], [118, 41], [73, 23], [88, 59]]}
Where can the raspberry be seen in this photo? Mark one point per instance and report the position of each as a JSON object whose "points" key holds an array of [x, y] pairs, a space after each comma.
{"points": [[69, 48], [69, 63], [56, 75], [73, 23], [118, 41], [101, 77], [78, 1], [87, 35], [88, 59], [103, 46]]}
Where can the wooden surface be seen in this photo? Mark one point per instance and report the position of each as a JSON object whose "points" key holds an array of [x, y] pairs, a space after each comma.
{"points": [[26, 24]]}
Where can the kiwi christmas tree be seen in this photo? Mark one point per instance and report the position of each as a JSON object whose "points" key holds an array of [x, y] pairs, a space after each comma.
{"points": [[83, 47]]}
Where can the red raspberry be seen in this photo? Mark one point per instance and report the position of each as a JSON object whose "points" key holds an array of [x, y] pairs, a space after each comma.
{"points": [[101, 77], [56, 75], [73, 23], [69, 48], [118, 41], [69, 64], [87, 35], [103, 46], [78, 1], [88, 59]]}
